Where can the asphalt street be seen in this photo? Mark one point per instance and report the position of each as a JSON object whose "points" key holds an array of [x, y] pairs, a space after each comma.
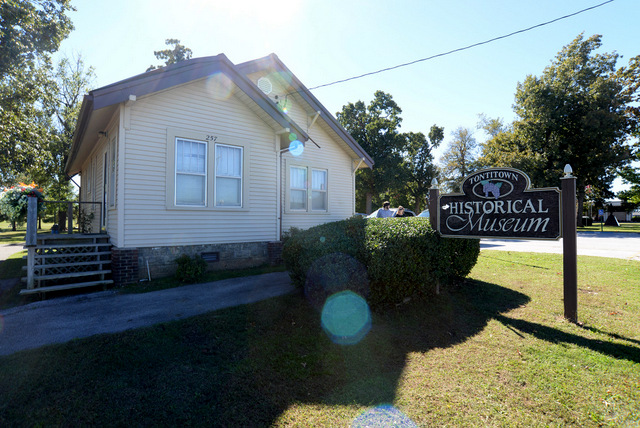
{"points": [[600, 244]]}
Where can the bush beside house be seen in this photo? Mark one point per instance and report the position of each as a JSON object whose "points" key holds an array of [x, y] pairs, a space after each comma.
{"points": [[397, 259]]}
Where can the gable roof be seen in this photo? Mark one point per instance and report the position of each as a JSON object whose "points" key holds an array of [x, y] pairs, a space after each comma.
{"points": [[100, 104], [272, 62]]}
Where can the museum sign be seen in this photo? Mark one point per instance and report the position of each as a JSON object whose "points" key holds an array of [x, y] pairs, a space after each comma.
{"points": [[498, 203]]}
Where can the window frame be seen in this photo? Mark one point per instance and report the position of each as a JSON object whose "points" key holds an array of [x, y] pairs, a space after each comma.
{"points": [[211, 137], [216, 175], [289, 164], [190, 173]]}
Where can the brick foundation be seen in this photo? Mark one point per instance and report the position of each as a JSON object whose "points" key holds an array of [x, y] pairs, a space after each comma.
{"points": [[274, 249], [124, 266], [162, 260]]}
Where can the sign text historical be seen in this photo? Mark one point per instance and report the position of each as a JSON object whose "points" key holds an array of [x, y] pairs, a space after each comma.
{"points": [[497, 203]]}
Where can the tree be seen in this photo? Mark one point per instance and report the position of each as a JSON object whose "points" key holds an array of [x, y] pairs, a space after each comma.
{"points": [[29, 32], [171, 56], [575, 113], [458, 161], [419, 164], [375, 127], [30, 29]]}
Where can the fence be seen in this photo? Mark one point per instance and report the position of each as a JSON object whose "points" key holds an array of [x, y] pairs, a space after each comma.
{"points": [[84, 217]]}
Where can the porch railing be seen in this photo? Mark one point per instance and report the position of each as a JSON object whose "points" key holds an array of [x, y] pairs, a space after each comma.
{"points": [[85, 216]]}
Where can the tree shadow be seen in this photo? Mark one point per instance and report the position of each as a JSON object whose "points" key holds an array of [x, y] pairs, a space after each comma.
{"points": [[552, 335], [368, 372]]}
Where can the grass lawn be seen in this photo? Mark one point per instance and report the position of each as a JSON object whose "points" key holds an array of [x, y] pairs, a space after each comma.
{"points": [[624, 227], [495, 351]]}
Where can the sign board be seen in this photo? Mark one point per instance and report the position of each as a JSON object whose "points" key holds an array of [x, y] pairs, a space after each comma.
{"points": [[498, 203]]}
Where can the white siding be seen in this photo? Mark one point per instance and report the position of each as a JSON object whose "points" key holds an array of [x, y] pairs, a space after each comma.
{"points": [[340, 181], [206, 108]]}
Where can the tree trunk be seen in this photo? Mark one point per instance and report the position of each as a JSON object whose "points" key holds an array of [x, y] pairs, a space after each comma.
{"points": [[13, 226], [369, 203]]}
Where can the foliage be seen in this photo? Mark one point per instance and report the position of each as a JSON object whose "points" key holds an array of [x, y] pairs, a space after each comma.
{"points": [[403, 258], [30, 29], [189, 269], [376, 128], [15, 200], [459, 159], [420, 168], [172, 56], [579, 112]]}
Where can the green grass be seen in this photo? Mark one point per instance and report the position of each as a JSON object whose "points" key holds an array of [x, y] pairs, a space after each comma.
{"points": [[495, 351], [624, 227]]}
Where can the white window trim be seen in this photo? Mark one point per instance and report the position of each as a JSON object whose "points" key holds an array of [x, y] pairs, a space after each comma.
{"points": [[176, 173], [112, 171], [212, 137], [289, 163], [216, 176]]}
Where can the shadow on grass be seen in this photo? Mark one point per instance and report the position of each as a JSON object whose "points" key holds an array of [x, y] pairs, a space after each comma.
{"points": [[241, 366], [552, 335]]}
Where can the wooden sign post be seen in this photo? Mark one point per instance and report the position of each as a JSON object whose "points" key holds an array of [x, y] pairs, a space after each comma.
{"points": [[498, 203]]}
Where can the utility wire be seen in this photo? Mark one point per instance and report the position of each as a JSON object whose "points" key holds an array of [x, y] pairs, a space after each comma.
{"points": [[462, 49]]}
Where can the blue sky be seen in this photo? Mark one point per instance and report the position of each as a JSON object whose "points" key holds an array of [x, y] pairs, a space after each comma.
{"points": [[322, 41]]}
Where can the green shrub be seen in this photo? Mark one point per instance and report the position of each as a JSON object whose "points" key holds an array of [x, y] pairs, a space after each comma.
{"points": [[189, 269], [403, 258]]}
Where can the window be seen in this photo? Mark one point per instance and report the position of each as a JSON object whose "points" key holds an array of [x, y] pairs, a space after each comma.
{"points": [[112, 174], [228, 178], [191, 172], [299, 184], [298, 191], [318, 190]]}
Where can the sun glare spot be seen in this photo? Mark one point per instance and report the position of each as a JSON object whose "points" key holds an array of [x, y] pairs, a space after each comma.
{"points": [[219, 86], [346, 318], [384, 415], [296, 148]]}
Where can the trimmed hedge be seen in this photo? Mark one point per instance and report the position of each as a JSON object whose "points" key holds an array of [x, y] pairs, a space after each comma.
{"points": [[403, 257]]}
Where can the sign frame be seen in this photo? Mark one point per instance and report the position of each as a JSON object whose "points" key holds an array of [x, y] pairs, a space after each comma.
{"points": [[481, 196]]}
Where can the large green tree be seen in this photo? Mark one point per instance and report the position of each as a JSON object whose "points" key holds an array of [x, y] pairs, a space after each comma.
{"points": [[171, 56], [459, 160], [376, 128], [419, 164], [30, 31], [574, 113]]}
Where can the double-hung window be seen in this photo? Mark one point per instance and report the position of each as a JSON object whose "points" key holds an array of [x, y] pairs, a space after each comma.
{"points": [[298, 191], [228, 175], [191, 172], [303, 179], [318, 189]]}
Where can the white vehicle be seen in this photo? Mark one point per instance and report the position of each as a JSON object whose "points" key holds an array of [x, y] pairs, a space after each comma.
{"points": [[408, 213]]}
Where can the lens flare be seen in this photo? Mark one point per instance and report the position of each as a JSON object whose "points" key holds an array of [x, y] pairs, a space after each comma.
{"points": [[384, 415], [322, 239], [296, 148], [346, 318], [219, 86]]}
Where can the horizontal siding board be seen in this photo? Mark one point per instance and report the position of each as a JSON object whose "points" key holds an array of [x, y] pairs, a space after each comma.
{"points": [[148, 222]]}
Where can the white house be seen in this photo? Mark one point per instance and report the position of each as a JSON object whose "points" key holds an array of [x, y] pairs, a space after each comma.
{"points": [[208, 157]]}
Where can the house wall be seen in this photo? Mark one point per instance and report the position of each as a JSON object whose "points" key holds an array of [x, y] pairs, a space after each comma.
{"points": [[145, 218], [196, 110], [330, 155]]}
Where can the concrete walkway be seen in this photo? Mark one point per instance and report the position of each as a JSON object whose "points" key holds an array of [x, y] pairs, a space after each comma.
{"points": [[63, 319]]}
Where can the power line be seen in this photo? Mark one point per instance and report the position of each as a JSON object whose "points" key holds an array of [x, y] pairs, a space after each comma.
{"points": [[462, 49]]}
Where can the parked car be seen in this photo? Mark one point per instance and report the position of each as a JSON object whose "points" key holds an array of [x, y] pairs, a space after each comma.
{"points": [[424, 213], [408, 212]]}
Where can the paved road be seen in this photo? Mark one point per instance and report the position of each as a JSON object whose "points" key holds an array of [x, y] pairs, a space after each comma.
{"points": [[64, 319], [601, 244]]}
